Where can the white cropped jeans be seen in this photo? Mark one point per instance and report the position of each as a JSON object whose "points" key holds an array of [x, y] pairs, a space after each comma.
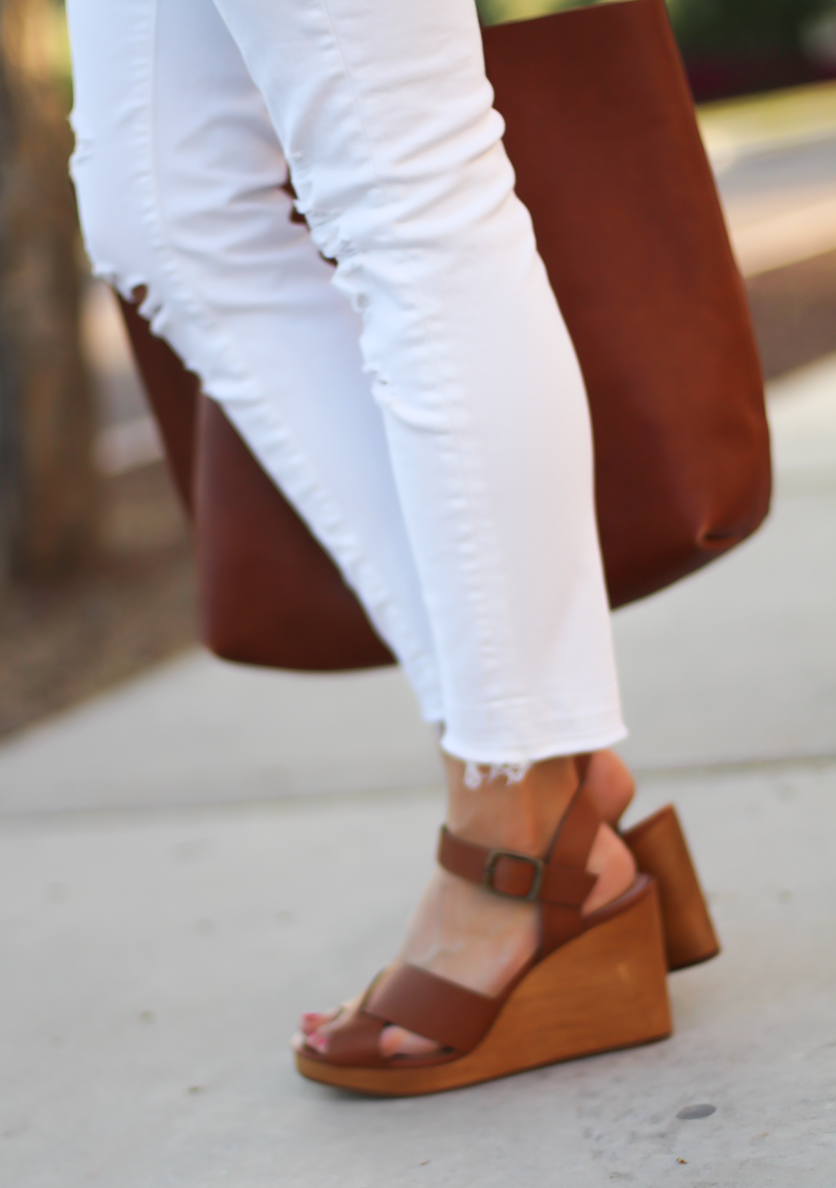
{"points": [[421, 405]]}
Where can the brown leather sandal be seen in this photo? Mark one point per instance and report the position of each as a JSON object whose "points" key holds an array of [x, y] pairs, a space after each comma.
{"points": [[659, 848], [597, 983]]}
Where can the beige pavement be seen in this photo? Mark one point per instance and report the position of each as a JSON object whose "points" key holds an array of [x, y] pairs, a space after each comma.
{"points": [[154, 966]]}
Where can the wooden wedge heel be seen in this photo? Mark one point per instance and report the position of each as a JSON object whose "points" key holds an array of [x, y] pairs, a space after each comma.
{"points": [[597, 983], [659, 848]]}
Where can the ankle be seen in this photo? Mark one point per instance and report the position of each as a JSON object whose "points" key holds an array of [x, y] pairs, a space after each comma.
{"points": [[524, 815], [520, 816]]}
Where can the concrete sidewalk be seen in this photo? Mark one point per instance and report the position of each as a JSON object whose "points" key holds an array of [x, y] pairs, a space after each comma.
{"points": [[155, 965], [155, 956]]}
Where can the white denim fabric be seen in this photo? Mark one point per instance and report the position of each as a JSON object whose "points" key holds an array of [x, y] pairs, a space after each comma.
{"points": [[421, 405]]}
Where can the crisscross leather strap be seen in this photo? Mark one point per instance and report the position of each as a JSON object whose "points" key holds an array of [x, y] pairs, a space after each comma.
{"points": [[559, 882], [419, 1001], [431, 1006]]}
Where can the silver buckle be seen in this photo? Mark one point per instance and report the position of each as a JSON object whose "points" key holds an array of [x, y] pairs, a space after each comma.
{"points": [[537, 882]]}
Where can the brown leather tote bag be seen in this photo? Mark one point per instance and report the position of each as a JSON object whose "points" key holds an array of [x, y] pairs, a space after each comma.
{"points": [[602, 135]]}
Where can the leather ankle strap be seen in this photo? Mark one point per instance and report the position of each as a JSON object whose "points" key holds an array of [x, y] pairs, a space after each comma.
{"points": [[506, 872], [559, 881]]}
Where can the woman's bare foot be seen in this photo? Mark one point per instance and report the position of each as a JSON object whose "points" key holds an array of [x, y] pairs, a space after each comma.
{"points": [[467, 934]]}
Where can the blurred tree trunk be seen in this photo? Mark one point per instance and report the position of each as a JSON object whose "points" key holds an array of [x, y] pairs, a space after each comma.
{"points": [[8, 389], [47, 417]]}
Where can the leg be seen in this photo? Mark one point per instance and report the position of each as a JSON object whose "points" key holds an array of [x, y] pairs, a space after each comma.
{"points": [[177, 170], [485, 418], [385, 116], [212, 243]]}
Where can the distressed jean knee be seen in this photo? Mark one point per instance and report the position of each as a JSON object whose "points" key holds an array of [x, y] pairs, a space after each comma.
{"points": [[111, 225]]}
